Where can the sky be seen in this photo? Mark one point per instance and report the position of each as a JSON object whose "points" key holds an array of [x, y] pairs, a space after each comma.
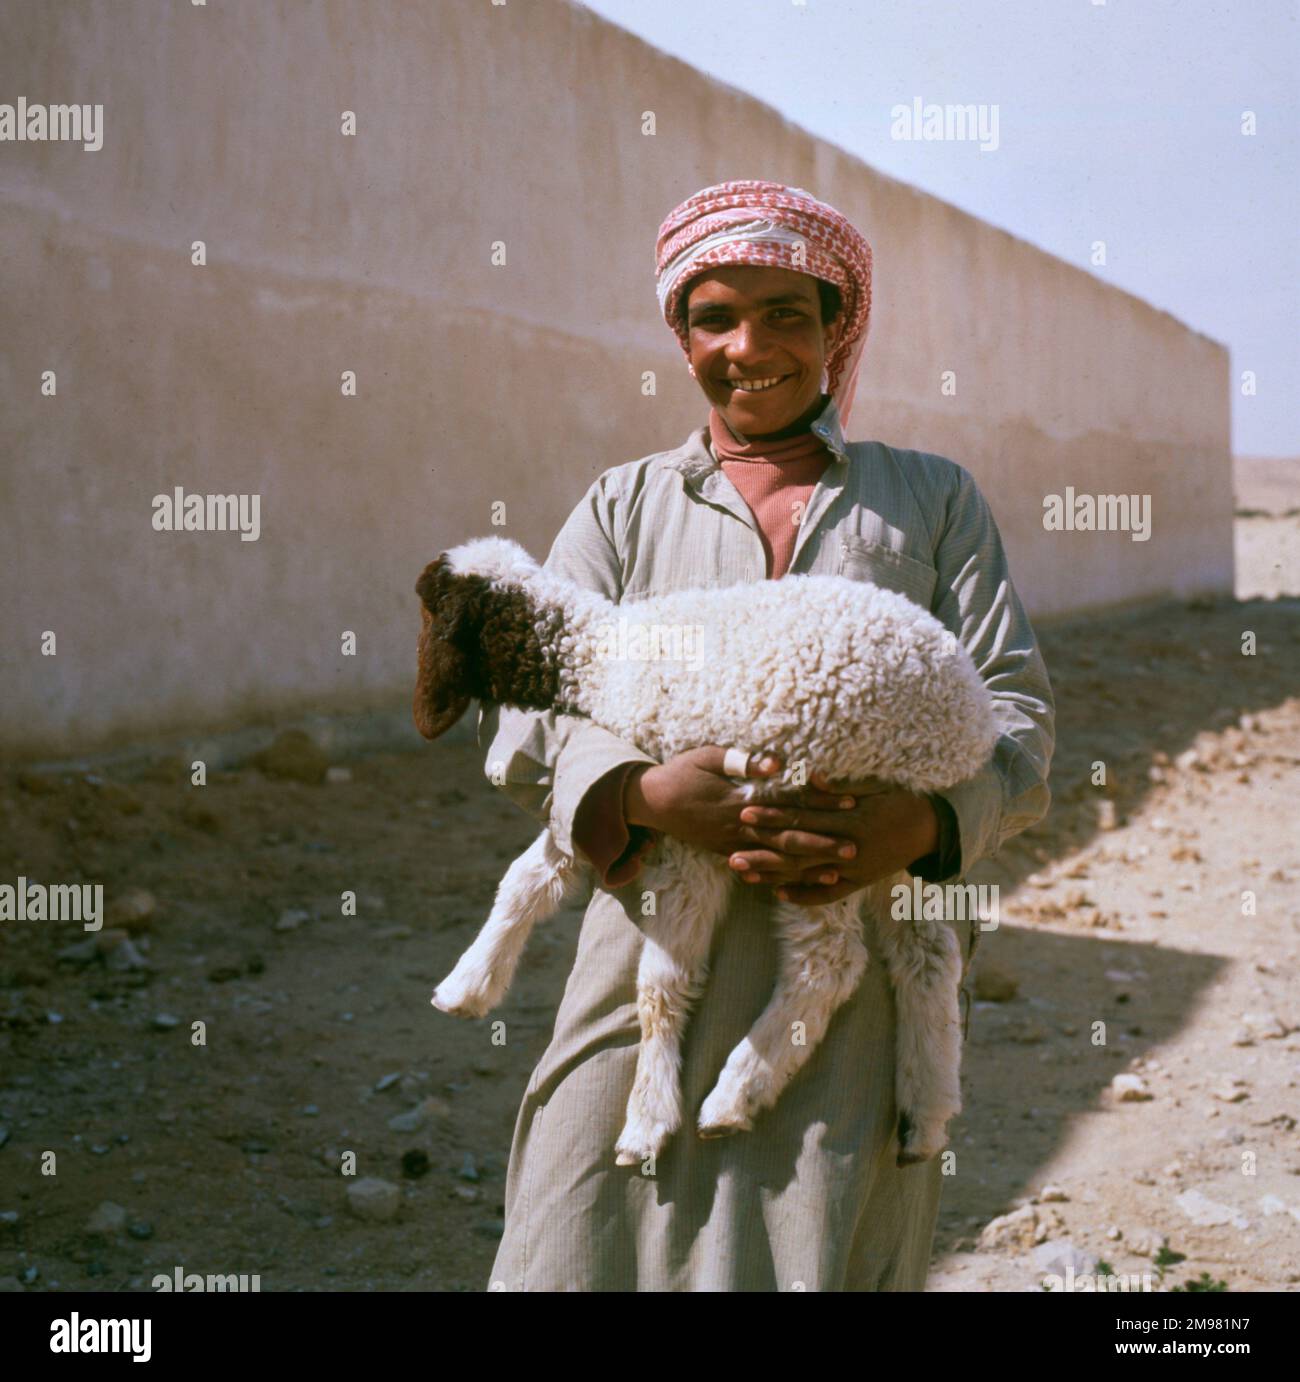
{"points": [[1119, 122]]}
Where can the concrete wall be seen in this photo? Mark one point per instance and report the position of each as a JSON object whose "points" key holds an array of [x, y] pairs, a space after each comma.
{"points": [[477, 123]]}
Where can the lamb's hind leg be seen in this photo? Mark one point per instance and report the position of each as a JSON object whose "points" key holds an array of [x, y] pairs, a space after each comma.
{"points": [[923, 958], [534, 888], [670, 977], [823, 958]]}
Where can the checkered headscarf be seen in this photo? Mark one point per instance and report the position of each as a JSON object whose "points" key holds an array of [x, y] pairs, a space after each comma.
{"points": [[755, 222]]}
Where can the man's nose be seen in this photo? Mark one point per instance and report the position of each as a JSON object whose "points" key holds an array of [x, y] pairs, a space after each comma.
{"points": [[748, 339]]}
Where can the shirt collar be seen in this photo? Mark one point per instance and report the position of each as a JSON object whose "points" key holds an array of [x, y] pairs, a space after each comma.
{"points": [[696, 461]]}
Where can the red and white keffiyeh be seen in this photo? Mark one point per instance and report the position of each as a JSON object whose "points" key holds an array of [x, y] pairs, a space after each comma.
{"points": [[757, 222]]}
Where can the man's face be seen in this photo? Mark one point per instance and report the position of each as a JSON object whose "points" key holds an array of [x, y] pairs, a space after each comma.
{"points": [[749, 325]]}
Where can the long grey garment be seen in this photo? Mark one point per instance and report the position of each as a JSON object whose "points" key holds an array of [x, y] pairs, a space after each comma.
{"points": [[811, 1198]]}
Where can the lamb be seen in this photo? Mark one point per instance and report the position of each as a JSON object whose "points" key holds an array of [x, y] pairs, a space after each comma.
{"points": [[834, 675]]}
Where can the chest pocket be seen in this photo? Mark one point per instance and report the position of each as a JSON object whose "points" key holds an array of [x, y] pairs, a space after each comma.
{"points": [[861, 560]]}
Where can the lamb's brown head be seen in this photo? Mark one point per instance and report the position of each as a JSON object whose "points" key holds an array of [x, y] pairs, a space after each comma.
{"points": [[451, 612], [481, 636]]}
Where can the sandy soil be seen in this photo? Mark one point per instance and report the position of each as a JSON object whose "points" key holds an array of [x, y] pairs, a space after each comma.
{"points": [[1123, 908]]}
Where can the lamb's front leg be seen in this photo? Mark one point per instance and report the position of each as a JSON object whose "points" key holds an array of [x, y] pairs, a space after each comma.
{"points": [[822, 959], [534, 888], [690, 899]]}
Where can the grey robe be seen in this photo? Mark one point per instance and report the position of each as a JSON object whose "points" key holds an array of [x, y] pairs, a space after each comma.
{"points": [[811, 1198]]}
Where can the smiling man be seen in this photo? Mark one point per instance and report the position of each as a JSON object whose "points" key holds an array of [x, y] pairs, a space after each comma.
{"points": [[768, 291]]}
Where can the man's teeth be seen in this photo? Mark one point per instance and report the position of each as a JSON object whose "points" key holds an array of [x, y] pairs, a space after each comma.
{"points": [[755, 385]]}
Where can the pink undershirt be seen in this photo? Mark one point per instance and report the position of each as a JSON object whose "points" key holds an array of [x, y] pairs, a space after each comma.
{"points": [[776, 480]]}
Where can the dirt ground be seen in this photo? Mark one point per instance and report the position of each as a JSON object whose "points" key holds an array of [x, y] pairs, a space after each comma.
{"points": [[1125, 908]]}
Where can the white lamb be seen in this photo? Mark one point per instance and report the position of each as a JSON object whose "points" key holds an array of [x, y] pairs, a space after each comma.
{"points": [[835, 675]]}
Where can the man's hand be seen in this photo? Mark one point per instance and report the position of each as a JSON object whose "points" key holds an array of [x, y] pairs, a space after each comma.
{"points": [[888, 828], [691, 797]]}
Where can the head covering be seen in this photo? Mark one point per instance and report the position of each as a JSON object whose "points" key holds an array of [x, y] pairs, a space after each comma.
{"points": [[767, 223]]}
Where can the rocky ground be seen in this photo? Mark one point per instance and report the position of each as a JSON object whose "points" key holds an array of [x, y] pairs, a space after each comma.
{"points": [[1132, 1082]]}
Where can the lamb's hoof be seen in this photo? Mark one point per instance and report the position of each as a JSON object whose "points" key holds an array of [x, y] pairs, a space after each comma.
{"points": [[719, 1120], [917, 1143], [459, 1003], [640, 1142], [725, 1111], [711, 1131]]}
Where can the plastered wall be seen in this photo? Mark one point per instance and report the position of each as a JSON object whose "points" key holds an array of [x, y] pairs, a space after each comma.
{"points": [[477, 125]]}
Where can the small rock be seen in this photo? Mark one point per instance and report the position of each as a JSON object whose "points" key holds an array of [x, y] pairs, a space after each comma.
{"points": [[292, 919], [140, 1229], [1113, 1233], [415, 1163], [164, 1022], [1265, 1026], [1017, 1230], [374, 1200], [108, 1218], [1208, 1213], [413, 1119], [468, 1170], [1060, 1257], [132, 910], [81, 952], [1051, 1194], [1145, 1242], [1130, 1089], [293, 756], [1231, 1091], [126, 956], [468, 1193], [338, 775], [994, 984], [1107, 817], [387, 1081]]}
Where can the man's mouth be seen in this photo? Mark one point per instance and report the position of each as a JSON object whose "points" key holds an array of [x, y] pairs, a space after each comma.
{"points": [[757, 385]]}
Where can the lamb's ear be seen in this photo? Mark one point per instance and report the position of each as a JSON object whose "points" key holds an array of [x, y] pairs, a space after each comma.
{"points": [[441, 694]]}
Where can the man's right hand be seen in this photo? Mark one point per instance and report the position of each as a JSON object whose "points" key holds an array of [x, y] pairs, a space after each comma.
{"points": [[691, 798]]}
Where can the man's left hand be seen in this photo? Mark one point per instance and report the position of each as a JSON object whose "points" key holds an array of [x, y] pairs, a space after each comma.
{"points": [[889, 828]]}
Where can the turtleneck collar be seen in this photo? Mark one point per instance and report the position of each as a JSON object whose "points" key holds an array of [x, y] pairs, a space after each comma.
{"points": [[803, 446]]}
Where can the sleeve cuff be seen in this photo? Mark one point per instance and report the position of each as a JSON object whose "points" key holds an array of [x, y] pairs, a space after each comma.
{"points": [[601, 832], [587, 756], [945, 859], [977, 805]]}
